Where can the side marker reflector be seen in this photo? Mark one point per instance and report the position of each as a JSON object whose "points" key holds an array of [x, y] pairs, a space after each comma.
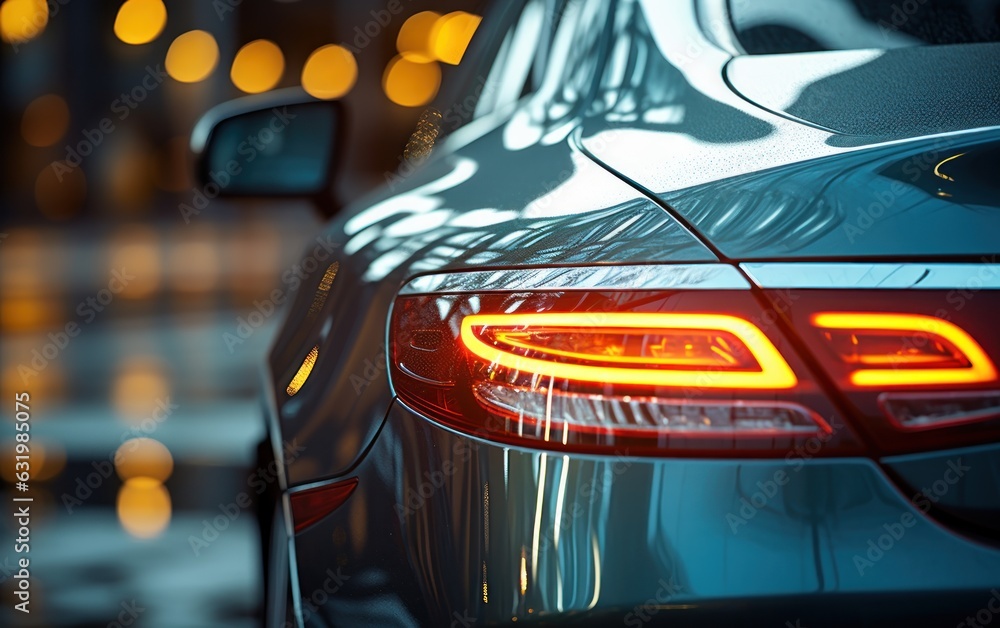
{"points": [[311, 505]]}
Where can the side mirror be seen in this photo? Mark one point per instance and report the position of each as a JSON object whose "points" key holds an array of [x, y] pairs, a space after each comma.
{"points": [[279, 144]]}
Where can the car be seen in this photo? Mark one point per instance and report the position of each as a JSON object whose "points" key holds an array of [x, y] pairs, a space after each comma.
{"points": [[688, 319]]}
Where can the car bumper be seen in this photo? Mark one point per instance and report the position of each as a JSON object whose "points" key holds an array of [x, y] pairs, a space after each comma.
{"points": [[444, 529]]}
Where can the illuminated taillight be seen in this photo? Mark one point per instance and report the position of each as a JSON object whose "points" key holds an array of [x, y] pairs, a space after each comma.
{"points": [[654, 373], [910, 350], [915, 366], [662, 349]]}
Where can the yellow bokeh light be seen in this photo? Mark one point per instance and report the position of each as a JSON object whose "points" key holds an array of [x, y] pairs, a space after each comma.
{"points": [[192, 57], [143, 458], [258, 66], [451, 36], [409, 83], [139, 385], [45, 120], [194, 263], [23, 20], [26, 313], [414, 39], [137, 248], [330, 72], [140, 21], [144, 507], [47, 461]]}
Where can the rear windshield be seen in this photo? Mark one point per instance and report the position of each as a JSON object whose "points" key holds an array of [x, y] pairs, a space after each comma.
{"points": [[782, 26]]}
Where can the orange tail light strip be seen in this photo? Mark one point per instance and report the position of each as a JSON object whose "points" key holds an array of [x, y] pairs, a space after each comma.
{"points": [[773, 371], [909, 368]]}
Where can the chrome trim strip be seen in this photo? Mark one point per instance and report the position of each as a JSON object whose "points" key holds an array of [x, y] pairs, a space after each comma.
{"points": [[867, 276], [650, 277]]}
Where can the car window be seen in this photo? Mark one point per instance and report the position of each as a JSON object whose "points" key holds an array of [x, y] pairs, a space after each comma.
{"points": [[549, 53], [520, 62], [779, 26]]}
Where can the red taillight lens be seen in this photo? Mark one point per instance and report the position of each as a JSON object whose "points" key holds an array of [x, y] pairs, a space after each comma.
{"points": [[915, 364], [889, 350], [662, 349], [312, 504], [656, 373]]}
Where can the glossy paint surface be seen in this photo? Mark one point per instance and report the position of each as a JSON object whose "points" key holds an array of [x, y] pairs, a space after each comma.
{"points": [[662, 163], [443, 524]]}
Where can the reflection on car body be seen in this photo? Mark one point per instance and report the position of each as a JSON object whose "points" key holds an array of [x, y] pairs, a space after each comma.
{"points": [[756, 270]]}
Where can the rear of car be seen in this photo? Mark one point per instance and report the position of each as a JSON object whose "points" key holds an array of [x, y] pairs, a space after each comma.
{"points": [[757, 386]]}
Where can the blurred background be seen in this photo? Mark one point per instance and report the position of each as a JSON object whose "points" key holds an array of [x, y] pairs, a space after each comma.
{"points": [[115, 304]]}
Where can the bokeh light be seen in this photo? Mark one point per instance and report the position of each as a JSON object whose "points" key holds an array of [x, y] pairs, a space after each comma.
{"points": [[409, 83], [137, 249], [45, 120], [48, 459], [144, 507], [140, 21], [143, 458], [258, 66], [329, 72], [451, 36], [139, 384], [60, 190], [414, 39], [23, 20], [28, 313], [192, 56], [193, 259], [130, 180]]}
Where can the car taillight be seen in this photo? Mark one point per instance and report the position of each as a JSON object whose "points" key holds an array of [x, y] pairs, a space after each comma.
{"points": [[916, 369], [701, 372], [890, 350]]}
